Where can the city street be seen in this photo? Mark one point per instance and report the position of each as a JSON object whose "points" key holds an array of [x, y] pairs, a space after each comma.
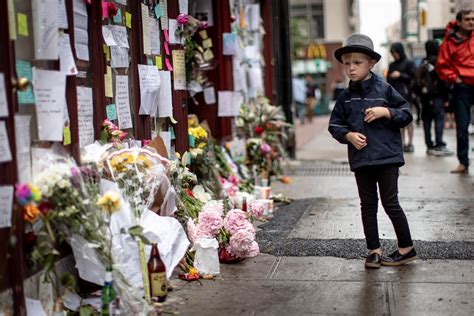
{"points": [[312, 259]]}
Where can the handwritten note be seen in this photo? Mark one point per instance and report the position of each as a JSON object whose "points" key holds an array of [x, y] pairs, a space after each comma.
{"points": [[62, 16], [145, 29], [229, 103], [45, 28], [119, 57], [164, 14], [165, 101], [81, 37], [50, 90], [179, 76], [66, 59], [210, 95], [23, 143], [149, 89], [6, 205], [173, 38], [230, 43], [5, 152], [183, 6], [22, 24], [108, 83], [11, 20], [23, 69], [85, 115], [108, 35], [3, 97], [111, 111], [155, 37], [122, 102], [207, 43]]}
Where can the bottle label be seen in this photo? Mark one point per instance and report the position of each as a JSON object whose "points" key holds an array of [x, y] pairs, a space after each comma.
{"points": [[159, 286]]}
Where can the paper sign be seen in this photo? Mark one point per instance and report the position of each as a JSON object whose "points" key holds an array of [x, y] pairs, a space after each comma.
{"points": [[111, 111], [22, 24], [154, 37], [50, 91], [229, 103], [165, 102], [45, 28], [118, 17], [166, 136], [23, 143], [158, 62], [3, 97], [62, 15], [6, 205], [5, 152], [81, 37], [164, 16], [85, 116], [145, 30], [34, 307], [173, 38], [230, 43], [149, 89], [179, 75], [128, 19], [108, 83], [23, 69], [183, 7], [122, 101], [207, 43], [119, 57], [66, 59], [120, 35], [210, 95], [66, 135]]}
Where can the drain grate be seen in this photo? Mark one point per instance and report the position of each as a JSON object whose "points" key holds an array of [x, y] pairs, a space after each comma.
{"points": [[320, 168]]}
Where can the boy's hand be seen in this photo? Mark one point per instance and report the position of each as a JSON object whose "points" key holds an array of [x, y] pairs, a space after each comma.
{"points": [[372, 114], [358, 140]]}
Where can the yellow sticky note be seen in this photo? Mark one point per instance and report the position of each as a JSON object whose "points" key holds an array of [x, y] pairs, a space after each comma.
{"points": [[158, 62], [66, 136], [108, 83], [107, 52], [22, 24], [128, 20]]}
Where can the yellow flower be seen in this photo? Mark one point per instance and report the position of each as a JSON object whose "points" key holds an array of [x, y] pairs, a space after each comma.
{"points": [[35, 193], [143, 160], [197, 132], [110, 202]]}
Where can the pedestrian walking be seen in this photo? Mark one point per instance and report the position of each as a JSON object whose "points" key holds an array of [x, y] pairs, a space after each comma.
{"points": [[455, 64], [400, 74], [299, 96], [368, 116], [433, 95], [310, 97]]}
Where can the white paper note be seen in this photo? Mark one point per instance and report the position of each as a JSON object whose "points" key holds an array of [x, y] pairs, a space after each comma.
{"points": [[149, 89], [81, 37], [5, 152], [145, 29], [210, 95], [23, 143], [66, 59], [166, 136], [120, 35], [62, 16], [183, 6], [85, 116], [255, 78], [164, 17], [45, 28], [155, 37], [173, 26], [6, 205], [3, 97], [230, 43], [108, 36], [119, 57], [253, 16], [34, 307], [122, 102], [229, 103], [165, 101], [50, 91], [179, 69]]}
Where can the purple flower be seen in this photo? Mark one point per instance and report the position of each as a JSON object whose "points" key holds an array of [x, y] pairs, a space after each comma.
{"points": [[183, 19], [265, 148], [203, 25], [23, 193]]}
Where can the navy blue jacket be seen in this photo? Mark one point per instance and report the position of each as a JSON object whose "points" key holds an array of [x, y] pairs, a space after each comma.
{"points": [[384, 143]]}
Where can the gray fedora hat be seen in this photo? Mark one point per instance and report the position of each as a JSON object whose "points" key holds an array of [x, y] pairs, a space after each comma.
{"points": [[357, 43]]}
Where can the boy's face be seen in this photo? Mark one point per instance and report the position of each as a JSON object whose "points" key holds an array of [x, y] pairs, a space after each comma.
{"points": [[357, 66]]}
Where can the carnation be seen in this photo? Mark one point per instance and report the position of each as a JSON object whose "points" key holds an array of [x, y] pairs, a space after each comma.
{"points": [[214, 206], [242, 244], [236, 220], [257, 208], [210, 222]]}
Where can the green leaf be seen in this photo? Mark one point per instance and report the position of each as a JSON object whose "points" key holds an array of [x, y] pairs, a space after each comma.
{"points": [[68, 281], [135, 231]]}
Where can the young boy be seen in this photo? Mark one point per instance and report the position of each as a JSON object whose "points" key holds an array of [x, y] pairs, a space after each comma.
{"points": [[367, 117]]}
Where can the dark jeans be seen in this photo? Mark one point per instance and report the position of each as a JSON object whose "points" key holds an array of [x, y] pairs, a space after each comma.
{"points": [[432, 110], [386, 176], [463, 98]]}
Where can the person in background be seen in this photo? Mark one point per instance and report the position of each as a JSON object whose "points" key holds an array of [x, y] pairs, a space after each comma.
{"points": [[433, 95], [299, 95], [400, 74], [310, 97], [367, 118], [455, 64], [338, 87]]}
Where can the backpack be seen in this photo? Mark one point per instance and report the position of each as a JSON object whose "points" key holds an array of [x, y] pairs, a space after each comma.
{"points": [[425, 80]]}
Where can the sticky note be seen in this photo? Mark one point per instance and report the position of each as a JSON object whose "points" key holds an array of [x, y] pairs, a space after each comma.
{"points": [[105, 10], [167, 49], [158, 62], [149, 61], [107, 52], [128, 20], [168, 64], [165, 33], [171, 130], [118, 17], [111, 112], [108, 83], [203, 34], [66, 135], [22, 24], [158, 11]]}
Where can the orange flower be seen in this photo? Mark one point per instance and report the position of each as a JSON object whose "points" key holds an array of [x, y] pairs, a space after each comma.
{"points": [[30, 212]]}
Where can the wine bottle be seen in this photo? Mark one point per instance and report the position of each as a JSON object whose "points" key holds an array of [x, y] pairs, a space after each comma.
{"points": [[157, 275], [244, 204]]}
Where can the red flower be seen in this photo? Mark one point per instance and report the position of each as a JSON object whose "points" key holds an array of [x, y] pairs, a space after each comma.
{"points": [[189, 192], [45, 207], [112, 9], [258, 130]]}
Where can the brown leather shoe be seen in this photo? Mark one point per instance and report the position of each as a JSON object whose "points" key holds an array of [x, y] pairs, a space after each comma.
{"points": [[460, 169]]}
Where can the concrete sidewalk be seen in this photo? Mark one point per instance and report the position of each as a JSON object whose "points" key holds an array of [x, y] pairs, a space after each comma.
{"points": [[313, 262]]}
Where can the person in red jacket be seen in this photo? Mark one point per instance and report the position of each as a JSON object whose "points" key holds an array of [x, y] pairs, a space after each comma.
{"points": [[455, 65]]}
